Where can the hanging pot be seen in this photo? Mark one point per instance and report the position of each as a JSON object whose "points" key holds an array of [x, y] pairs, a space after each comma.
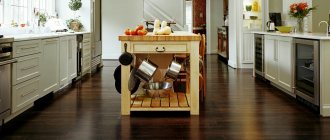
{"points": [[126, 58], [146, 70], [173, 70]]}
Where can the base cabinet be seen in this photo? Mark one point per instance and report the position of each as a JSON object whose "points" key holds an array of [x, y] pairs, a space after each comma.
{"points": [[279, 61], [86, 54], [50, 66]]}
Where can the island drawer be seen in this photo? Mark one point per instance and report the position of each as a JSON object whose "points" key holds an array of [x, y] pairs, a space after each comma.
{"points": [[154, 48], [24, 48]]}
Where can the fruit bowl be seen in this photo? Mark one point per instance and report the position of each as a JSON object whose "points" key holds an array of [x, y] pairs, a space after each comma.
{"points": [[284, 29]]}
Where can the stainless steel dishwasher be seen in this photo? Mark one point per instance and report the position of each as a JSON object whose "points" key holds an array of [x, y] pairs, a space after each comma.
{"points": [[6, 61]]}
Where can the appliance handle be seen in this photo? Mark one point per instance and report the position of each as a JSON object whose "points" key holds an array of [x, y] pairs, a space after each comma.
{"points": [[8, 62]]}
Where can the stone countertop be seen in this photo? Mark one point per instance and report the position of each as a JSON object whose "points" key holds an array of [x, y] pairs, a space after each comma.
{"points": [[23, 37], [320, 36], [176, 36]]}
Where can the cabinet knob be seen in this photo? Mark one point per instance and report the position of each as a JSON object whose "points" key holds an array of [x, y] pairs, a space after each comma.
{"points": [[162, 50]]}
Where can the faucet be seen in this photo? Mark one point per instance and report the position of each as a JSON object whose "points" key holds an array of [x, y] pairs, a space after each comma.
{"points": [[327, 26]]}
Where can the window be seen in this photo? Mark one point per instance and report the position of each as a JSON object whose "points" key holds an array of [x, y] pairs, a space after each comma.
{"points": [[23, 11]]}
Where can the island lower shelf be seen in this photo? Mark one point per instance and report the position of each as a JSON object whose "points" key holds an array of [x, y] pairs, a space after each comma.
{"points": [[170, 101]]}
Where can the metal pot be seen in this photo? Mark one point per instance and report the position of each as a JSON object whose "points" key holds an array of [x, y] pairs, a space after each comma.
{"points": [[173, 70], [146, 70]]}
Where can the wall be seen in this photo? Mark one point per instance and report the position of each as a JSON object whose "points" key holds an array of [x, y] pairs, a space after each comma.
{"points": [[65, 13], [214, 20], [175, 9], [321, 13], [115, 19], [199, 8], [275, 6]]}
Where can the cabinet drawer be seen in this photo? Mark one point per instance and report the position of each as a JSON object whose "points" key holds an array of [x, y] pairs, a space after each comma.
{"points": [[144, 48], [24, 48], [86, 64], [87, 38], [25, 93], [26, 68], [86, 48]]}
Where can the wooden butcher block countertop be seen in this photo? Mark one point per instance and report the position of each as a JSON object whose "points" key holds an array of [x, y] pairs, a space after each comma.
{"points": [[176, 36]]}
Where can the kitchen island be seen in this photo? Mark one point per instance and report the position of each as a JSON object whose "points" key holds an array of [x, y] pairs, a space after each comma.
{"points": [[298, 64], [158, 46]]}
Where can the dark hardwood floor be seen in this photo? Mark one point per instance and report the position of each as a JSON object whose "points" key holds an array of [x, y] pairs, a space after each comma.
{"points": [[237, 106]]}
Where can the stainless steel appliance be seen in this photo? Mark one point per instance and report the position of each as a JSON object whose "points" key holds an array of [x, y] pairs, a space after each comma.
{"points": [[307, 76], [259, 55], [79, 56], [5, 76], [276, 18]]}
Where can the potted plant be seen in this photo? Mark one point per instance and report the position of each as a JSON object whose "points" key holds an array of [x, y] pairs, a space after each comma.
{"points": [[75, 5], [300, 11], [42, 19], [75, 25]]}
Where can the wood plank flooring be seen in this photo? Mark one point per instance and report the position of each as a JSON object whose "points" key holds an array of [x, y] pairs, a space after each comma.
{"points": [[236, 107]]}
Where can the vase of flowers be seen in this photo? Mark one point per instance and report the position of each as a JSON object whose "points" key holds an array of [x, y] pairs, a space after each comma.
{"points": [[300, 11]]}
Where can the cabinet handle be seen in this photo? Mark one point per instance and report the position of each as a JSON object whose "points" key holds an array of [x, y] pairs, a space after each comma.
{"points": [[23, 95], [29, 48], [163, 49], [30, 67]]}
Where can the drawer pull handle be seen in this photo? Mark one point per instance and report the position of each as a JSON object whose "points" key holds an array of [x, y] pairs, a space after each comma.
{"points": [[23, 95], [30, 67], [163, 50], [29, 48]]}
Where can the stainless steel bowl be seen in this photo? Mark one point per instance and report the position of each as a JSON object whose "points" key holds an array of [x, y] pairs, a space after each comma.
{"points": [[157, 86]]}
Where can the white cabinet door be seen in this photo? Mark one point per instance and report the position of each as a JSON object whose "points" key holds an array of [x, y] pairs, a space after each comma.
{"points": [[50, 66], [72, 55], [285, 63], [64, 55], [247, 50], [270, 58]]}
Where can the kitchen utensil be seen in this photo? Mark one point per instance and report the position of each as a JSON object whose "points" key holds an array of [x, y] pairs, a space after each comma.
{"points": [[157, 86], [133, 82], [253, 17], [284, 29], [248, 7], [173, 70], [126, 58], [146, 70], [271, 26]]}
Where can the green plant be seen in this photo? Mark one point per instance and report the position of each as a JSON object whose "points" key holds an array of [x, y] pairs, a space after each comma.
{"points": [[75, 24], [75, 5], [42, 18]]}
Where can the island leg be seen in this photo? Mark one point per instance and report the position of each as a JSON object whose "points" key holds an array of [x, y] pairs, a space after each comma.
{"points": [[194, 78], [125, 93]]}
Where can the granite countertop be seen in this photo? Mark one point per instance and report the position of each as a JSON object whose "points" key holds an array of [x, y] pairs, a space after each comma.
{"points": [[23, 37], [321, 36]]}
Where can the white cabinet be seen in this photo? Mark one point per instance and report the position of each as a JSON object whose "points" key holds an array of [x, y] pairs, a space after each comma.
{"points": [[25, 94], [26, 74], [72, 55], [247, 49], [86, 54], [64, 57], [279, 61], [50, 66], [68, 60]]}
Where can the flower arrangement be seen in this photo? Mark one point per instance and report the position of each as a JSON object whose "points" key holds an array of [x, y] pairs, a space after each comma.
{"points": [[300, 10]]}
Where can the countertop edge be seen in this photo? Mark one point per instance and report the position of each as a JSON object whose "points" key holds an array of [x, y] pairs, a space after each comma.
{"points": [[320, 36], [18, 38]]}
